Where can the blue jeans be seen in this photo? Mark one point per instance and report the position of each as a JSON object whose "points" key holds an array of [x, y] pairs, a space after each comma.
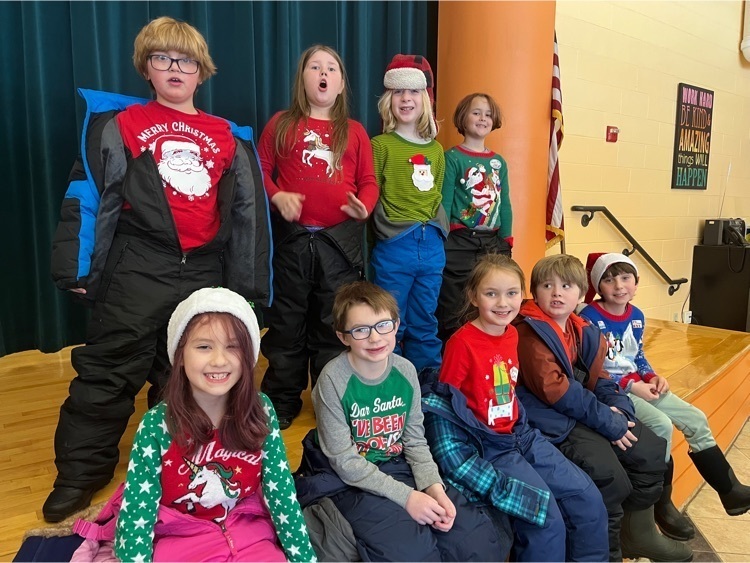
{"points": [[661, 413], [410, 266]]}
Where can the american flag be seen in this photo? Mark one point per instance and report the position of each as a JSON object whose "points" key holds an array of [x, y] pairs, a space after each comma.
{"points": [[555, 222]]}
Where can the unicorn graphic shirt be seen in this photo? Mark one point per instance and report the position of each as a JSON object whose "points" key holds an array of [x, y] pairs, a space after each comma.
{"points": [[306, 165], [206, 484], [210, 482]]}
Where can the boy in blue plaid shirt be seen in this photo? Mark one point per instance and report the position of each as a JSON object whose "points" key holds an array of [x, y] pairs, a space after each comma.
{"points": [[481, 441]]}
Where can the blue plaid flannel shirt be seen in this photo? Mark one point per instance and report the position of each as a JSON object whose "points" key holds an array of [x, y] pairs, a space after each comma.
{"points": [[475, 477]]}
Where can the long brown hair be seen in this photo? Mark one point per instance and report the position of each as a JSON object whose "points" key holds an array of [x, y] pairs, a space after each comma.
{"points": [[244, 426], [300, 109], [485, 266]]}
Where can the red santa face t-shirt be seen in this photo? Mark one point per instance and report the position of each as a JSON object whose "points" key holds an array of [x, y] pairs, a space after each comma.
{"points": [[191, 152]]}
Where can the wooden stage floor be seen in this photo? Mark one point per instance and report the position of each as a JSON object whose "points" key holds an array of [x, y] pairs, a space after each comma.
{"points": [[706, 366]]}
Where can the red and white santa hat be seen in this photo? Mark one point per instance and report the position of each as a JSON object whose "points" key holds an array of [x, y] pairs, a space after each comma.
{"points": [[420, 160], [170, 143], [597, 263], [412, 72], [475, 175]]}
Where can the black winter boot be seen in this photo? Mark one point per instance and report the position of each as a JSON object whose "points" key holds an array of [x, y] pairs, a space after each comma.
{"points": [[715, 469], [640, 538], [671, 522]]}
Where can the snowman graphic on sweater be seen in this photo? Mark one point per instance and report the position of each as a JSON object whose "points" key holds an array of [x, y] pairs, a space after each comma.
{"points": [[421, 176]]}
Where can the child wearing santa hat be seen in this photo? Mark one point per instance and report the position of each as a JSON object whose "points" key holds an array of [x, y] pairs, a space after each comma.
{"points": [[476, 199], [409, 223], [615, 278]]}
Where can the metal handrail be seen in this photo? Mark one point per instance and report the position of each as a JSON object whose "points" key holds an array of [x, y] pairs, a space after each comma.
{"points": [[674, 285]]}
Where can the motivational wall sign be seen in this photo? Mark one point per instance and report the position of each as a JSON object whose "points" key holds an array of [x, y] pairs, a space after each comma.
{"points": [[692, 137]]}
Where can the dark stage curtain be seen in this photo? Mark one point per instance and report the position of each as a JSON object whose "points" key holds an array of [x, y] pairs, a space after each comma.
{"points": [[51, 48]]}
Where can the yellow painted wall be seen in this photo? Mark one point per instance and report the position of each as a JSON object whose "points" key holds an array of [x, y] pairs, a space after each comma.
{"points": [[620, 65]]}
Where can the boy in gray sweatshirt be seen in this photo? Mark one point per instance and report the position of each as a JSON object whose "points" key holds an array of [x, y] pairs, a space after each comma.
{"points": [[370, 427]]}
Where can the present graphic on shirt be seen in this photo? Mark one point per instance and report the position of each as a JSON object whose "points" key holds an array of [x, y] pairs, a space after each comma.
{"points": [[316, 148], [422, 176], [504, 395]]}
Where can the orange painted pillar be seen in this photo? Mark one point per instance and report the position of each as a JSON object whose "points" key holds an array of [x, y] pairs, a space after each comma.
{"points": [[504, 49]]}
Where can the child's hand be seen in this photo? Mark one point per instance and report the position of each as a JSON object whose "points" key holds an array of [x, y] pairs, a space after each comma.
{"points": [[646, 391], [423, 508], [289, 205], [661, 383], [628, 439], [355, 208], [437, 492], [78, 290]]}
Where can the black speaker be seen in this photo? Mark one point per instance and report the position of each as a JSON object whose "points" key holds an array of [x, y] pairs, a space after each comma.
{"points": [[724, 231], [713, 232], [720, 287]]}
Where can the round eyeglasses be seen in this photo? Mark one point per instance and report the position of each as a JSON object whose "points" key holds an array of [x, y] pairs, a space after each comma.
{"points": [[163, 62], [362, 332]]}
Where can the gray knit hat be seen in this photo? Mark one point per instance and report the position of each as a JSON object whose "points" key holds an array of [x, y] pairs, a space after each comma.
{"points": [[212, 300]]}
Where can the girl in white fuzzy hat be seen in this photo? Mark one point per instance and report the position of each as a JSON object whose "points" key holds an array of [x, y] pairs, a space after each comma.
{"points": [[409, 222], [204, 460]]}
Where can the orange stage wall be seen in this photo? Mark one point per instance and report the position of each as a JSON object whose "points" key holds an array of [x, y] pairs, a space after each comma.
{"points": [[504, 49]]}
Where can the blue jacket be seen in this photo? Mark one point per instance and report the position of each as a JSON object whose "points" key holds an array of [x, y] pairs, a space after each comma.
{"points": [[91, 209], [589, 405]]}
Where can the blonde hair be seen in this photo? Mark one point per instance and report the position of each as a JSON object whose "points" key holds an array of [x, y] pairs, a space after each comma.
{"points": [[566, 267], [300, 109], [361, 293], [464, 107], [389, 119], [168, 34], [485, 266]]}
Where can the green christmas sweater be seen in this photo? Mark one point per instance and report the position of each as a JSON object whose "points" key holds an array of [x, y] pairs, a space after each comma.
{"points": [[155, 457], [410, 176], [476, 194]]}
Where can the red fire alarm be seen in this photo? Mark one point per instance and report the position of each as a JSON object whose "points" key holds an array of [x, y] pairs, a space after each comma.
{"points": [[612, 134]]}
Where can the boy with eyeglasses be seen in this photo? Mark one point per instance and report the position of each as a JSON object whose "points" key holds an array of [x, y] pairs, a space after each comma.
{"points": [[370, 430], [164, 200]]}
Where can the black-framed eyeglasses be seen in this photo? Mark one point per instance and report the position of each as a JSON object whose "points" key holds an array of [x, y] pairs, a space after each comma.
{"points": [[362, 332], [163, 62]]}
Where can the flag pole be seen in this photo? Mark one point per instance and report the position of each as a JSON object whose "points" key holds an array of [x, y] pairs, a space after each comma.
{"points": [[555, 223]]}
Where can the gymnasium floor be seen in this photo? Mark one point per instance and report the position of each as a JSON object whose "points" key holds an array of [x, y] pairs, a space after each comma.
{"points": [[33, 385]]}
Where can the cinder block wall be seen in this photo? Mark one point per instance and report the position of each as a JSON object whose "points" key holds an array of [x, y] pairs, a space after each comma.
{"points": [[620, 65]]}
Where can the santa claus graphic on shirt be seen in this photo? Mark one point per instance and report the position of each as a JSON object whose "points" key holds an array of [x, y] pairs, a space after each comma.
{"points": [[422, 176], [181, 166]]}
